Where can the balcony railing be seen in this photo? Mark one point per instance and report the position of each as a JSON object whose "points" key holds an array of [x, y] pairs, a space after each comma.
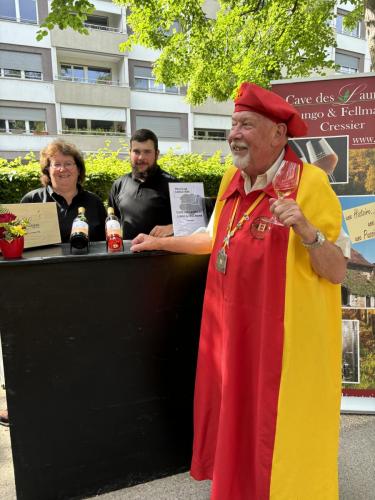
{"points": [[103, 28], [200, 138], [18, 20], [92, 132], [75, 79]]}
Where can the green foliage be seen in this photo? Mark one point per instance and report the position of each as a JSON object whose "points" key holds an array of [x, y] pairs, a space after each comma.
{"points": [[103, 167], [361, 173], [357, 14], [17, 177], [257, 41], [66, 14], [194, 168], [213, 52], [20, 176]]}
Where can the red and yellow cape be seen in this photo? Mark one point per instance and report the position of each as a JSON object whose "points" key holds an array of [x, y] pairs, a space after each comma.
{"points": [[267, 399]]}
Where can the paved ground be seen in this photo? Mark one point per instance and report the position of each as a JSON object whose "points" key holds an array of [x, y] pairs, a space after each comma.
{"points": [[357, 468]]}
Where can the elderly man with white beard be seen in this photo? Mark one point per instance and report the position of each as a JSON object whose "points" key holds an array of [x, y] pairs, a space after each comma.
{"points": [[267, 395]]}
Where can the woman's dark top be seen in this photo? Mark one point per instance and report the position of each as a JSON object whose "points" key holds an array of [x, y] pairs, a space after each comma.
{"points": [[95, 211]]}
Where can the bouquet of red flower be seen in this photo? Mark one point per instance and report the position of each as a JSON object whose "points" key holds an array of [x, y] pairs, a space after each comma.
{"points": [[10, 226]]}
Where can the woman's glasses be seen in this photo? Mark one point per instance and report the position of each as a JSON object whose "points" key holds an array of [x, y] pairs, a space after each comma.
{"points": [[68, 165]]}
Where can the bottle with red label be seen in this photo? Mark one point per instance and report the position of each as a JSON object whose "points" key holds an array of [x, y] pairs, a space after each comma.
{"points": [[113, 233]]}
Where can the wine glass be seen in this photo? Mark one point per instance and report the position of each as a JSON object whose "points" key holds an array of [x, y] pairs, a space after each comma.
{"points": [[285, 182], [322, 155]]}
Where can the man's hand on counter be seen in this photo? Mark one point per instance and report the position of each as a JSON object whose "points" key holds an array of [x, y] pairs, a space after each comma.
{"points": [[198, 243], [144, 242]]}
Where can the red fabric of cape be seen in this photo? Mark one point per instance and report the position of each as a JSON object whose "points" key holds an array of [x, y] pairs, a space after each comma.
{"points": [[240, 356]]}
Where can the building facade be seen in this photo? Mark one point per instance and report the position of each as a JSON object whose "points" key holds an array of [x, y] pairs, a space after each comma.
{"points": [[85, 90]]}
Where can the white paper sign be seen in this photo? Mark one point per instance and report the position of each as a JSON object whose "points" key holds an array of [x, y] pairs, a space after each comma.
{"points": [[188, 208]]}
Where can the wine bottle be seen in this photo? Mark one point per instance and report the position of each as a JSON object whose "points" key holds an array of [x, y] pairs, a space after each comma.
{"points": [[79, 236], [113, 233]]}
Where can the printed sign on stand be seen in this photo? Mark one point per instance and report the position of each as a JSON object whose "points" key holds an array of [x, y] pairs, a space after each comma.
{"points": [[188, 207]]}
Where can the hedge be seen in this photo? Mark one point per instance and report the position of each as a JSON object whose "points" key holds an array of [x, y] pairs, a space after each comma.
{"points": [[22, 175]]}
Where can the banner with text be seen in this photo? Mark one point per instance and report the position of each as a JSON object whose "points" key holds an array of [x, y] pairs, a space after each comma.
{"points": [[340, 114]]}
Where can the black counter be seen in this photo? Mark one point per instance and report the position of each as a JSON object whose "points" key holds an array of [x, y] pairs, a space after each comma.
{"points": [[99, 356]]}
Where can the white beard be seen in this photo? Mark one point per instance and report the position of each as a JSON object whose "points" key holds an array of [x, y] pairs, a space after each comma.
{"points": [[241, 162]]}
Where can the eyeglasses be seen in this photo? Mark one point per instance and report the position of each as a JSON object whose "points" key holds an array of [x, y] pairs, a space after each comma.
{"points": [[68, 165]]}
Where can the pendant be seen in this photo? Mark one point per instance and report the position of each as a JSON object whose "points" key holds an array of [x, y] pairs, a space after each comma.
{"points": [[221, 261], [260, 227]]}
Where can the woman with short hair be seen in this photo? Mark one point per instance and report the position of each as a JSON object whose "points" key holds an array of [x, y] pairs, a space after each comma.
{"points": [[63, 173]]}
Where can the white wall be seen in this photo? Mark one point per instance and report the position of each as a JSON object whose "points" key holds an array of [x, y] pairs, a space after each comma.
{"points": [[153, 101], [22, 34], [93, 112], [106, 6], [12, 89], [351, 43], [27, 143], [142, 54], [212, 121]]}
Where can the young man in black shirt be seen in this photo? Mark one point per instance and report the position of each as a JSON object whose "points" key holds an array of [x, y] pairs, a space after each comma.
{"points": [[141, 198]]}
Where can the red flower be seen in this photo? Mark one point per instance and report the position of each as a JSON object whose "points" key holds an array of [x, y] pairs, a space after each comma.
{"points": [[7, 217], [4, 218]]}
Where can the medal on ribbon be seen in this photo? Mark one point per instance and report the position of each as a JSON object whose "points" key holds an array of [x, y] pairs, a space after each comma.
{"points": [[222, 256], [221, 261]]}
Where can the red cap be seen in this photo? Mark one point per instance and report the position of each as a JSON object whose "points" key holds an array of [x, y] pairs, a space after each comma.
{"points": [[250, 97]]}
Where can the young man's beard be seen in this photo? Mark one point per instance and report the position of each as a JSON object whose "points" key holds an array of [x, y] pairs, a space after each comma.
{"points": [[145, 174]]}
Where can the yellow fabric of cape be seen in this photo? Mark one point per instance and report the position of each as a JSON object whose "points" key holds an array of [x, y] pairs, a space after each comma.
{"points": [[227, 177], [305, 454], [307, 428]]}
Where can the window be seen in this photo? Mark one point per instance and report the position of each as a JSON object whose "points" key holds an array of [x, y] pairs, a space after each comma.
{"points": [[99, 75], [97, 21], [13, 73], [8, 10], [96, 127], [22, 120], [74, 73], [33, 75], [209, 134], [17, 126], [37, 126], [165, 125], [340, 28], [102, 23], [20, 65], [347, 64], [17, 73], [144, 80], [19, 10], [86, 74], [22, 126], [28, 10]]}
